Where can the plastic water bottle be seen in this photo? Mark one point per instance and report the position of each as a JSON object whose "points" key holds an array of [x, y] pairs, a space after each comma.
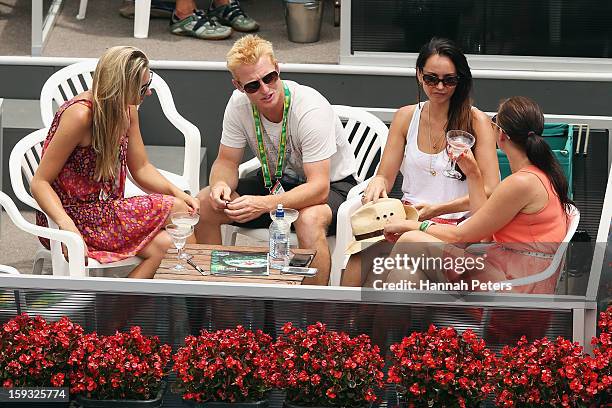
{"points": [[279, 239]]}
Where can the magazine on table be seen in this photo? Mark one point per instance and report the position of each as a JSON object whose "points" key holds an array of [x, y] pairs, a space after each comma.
{"points": [[235, 263]]}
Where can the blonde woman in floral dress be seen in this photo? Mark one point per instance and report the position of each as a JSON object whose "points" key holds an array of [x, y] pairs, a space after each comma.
{"points": [[80, 182]]}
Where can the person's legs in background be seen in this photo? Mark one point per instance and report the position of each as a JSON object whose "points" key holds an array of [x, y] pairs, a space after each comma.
{"points": [[229, 13], [188, 20]]}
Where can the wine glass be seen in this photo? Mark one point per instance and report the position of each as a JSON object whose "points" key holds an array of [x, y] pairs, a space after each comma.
{"points": [[188, 219], [184, 217], [179, 234], [458, 142]]}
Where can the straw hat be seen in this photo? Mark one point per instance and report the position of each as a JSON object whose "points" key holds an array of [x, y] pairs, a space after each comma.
{"points": [[369, 221]]}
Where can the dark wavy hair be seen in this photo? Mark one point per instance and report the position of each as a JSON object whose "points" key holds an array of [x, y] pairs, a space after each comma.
{"points": [[523, 121], [460, 109], [459, 112]]}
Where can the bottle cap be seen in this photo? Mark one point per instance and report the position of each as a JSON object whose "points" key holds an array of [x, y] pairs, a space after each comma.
{"points": [[280, 212]]}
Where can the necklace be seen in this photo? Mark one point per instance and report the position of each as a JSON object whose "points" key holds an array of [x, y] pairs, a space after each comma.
{"points": [[433, 146]]}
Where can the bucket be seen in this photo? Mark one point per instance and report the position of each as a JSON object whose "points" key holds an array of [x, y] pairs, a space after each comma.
{"points": [[303, 18]]}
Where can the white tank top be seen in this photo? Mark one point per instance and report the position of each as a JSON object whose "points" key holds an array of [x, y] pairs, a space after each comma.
{"points": [[419, 185]]}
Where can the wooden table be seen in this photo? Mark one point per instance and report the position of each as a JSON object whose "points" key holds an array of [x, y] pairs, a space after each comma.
{"points": [[201, 256]]}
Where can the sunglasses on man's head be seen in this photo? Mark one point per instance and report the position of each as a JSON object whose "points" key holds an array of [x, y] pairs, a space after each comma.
{"points": [[145, 87], [253, 86], [433, 80]]}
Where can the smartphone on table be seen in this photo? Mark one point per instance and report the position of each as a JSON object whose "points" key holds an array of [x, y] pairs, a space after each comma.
{"points": [[299, 270], [301, 260]]}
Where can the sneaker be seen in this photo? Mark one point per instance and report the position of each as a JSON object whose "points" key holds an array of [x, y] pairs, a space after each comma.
{"points": [[199, 25], [233, 16], [159, 9]]}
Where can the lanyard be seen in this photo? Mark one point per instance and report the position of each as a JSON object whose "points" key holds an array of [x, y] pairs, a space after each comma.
{"points": [[261, 149]]}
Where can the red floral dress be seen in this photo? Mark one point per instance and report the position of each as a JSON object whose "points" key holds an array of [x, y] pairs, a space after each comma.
{"points": [[113, 227]]}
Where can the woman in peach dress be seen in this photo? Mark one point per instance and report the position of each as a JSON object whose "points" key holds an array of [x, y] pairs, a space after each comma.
{"points": [[525, 215]]}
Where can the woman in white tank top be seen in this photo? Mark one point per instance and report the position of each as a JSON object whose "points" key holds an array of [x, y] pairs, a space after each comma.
{"points": [[417, 137], [417, 143]]}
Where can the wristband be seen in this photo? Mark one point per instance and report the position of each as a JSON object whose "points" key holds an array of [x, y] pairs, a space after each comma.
{"points": [[425, 225]]}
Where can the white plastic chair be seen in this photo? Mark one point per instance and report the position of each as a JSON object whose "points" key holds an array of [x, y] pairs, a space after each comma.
{"points": [[368, 136], [141, 16], [557, 260], [76, 264], [64, 84], [23, 163]]}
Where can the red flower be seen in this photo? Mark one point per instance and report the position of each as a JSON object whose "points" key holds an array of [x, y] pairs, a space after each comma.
{"points": [[555, 373], [442, 368], [34, 352], [318, 367], [122, 366], [226, 365]]}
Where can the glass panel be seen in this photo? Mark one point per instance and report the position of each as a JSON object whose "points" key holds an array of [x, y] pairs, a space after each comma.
{"points": [[561, 28]]}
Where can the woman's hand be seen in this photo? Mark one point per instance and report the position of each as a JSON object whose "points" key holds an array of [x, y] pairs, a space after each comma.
{"points": [[468, 164], [192, 202], [68, 225], [394, 229], [376, 189], [427, 211]]}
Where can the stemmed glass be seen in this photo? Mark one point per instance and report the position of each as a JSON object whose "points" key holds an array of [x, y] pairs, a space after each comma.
{"points": [[458, 142], [179, 234], [187, 219]]}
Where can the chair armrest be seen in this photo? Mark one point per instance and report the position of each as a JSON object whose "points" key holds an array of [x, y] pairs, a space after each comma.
{"points": [[344, 235], [248, 167], [546, 273], [74, 243], [358, 189]]}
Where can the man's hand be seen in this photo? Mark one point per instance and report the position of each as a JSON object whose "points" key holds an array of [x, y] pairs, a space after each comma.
{"points": [[219, 196], [247, 208]]}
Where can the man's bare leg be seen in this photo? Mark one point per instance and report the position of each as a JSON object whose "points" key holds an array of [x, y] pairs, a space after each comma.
{"points": [[311, 227], [208, 230]]}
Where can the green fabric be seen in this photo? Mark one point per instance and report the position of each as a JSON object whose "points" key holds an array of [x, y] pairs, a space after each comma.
{"points": [[560, 138]]}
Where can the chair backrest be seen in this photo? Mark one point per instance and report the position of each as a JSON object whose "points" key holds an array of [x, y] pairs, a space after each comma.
{"points": [[73, 79], [23, 162], [367, 135], [63, 85], [574, 219], [70, 81]]}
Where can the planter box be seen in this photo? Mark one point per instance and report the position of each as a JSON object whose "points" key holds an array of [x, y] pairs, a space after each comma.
{"points": [[152, 403], [217, 404], [292, 405]]}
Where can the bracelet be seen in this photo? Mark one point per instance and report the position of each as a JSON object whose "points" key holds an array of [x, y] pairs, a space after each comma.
{"points": [[425, 224]]}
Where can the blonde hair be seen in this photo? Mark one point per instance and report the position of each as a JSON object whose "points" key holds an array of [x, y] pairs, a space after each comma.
{"points": [[247, 51], [116, 85]]}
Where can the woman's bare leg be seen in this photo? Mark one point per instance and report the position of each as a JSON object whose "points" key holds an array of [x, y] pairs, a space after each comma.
{"points": [[351, 276], [154, 252], [152, 255], [416, 244]]}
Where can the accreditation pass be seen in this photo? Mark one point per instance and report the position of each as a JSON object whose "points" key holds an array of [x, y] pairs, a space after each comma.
{"points": [[34, 394]]}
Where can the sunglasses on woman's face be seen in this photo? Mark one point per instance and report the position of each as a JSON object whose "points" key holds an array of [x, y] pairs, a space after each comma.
{"points": [[495, 125], [433, 80], [145, 87], [253, 86]]}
